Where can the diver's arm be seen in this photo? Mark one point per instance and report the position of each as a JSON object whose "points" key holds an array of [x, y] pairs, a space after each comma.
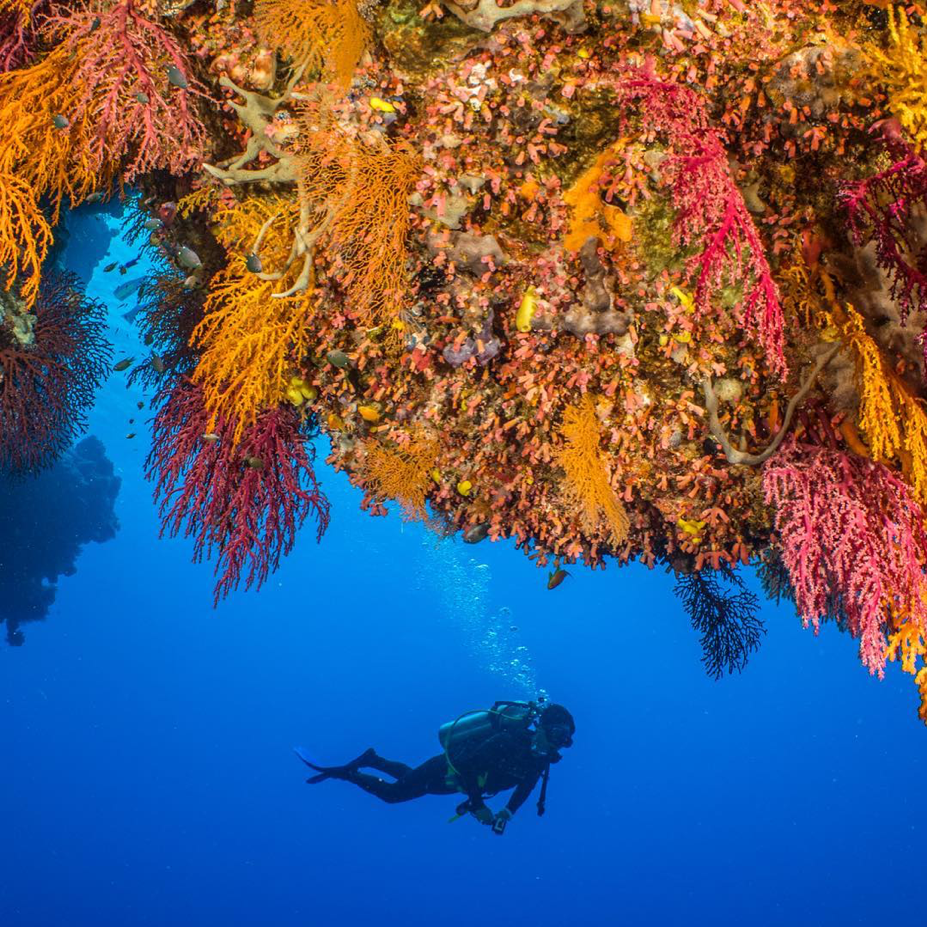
{"points": [[521, 793]]}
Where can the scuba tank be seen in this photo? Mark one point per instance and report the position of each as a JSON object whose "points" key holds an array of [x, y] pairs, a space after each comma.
{"points": [[478, 725]]}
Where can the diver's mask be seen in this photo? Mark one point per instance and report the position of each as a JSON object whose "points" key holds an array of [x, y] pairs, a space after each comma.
{"points": [[548, 739]]}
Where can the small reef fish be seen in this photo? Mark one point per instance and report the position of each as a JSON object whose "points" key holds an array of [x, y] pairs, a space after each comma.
{"points": [[130, 435], [210, 437], [464, 487], [125, 290], [338, 359], [369, 413], [152, 224], [255, 463], [476, 534], [124, 364], [110, 267], [176, 78], [157, 364], [254, 263], [188, 258], [130, 263], [556, 578], [381, 106], [60, 122], [140, 404], [131, 315], [142, 97], [95, 197]]}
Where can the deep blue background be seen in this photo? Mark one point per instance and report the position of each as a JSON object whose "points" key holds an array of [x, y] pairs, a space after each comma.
{"points": [[145, 741]]}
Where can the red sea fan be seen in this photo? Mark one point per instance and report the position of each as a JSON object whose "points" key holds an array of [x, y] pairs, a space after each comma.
{"points": [[48, 378], [243, 503], [17, 35], [135, 81], [853, 537], [884, 209], [710, 209]]}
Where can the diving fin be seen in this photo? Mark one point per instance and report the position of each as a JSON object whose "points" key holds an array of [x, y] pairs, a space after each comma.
{"points": [[333, 772]]}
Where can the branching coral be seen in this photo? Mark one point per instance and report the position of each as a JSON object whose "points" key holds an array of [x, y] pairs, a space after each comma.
{"points": [[328, 36], [902, 68], [131, 77], [849, 528], [242, 504], [587, 484], [48, 379], [886, 209], [891, 417], [724, 612], [402, 473], [711, 216]]}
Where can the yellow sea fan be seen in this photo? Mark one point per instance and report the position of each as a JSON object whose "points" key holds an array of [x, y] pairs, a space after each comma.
{"points": [[903, 71], [587, 484], [921, 681], [890, 416], [24, 237]]}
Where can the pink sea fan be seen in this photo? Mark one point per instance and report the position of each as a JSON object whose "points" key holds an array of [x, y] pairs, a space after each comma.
{"points": [[851, 534], [245, 503], [137, 84], [710, 210]]}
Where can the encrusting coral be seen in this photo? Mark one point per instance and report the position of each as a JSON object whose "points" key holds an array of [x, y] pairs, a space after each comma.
{"points": [[626, 280]]}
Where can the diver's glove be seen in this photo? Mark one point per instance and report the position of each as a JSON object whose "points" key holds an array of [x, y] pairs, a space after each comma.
{"points": [[502, 818], [484, 815]]}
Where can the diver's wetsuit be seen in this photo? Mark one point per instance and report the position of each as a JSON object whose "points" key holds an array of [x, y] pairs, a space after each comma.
{"points": [[505, 760]]}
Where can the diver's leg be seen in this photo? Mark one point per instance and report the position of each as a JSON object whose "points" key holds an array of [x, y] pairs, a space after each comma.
{"points": [[427, 779], [372, 760]]}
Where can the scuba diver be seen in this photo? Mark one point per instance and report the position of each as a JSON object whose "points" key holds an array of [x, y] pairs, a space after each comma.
{"points": [[509, 746]]}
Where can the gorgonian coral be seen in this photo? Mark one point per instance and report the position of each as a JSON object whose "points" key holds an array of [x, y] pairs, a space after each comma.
{"points": [[51, 363], [241, 503], [133, 80], [850, 530], [560, 273]]}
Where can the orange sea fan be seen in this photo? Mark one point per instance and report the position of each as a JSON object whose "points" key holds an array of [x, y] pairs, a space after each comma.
{"points": [[249, 342], [587, 485], [402, 473], [53, 159], [328, 36], [359, 192], [24, 236]]}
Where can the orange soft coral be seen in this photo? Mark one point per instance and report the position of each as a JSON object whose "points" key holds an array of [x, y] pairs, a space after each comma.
{"points": [[588, 483]]}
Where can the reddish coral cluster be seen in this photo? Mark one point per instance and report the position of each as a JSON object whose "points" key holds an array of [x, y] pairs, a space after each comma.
{"points": [[572, 273]]}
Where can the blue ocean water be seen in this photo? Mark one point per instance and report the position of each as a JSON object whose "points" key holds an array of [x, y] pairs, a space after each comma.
{"points": [[146, 741]]}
